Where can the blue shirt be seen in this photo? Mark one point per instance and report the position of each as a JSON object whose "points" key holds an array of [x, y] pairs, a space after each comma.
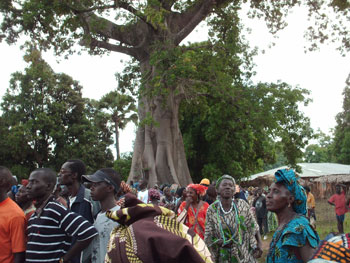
{"points": [[293, 235]]}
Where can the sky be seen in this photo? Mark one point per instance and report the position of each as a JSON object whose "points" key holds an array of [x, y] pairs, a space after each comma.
{"points": [[322, 72]]}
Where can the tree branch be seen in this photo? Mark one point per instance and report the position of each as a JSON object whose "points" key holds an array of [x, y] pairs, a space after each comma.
{"points": [[117, 4], [117, 48], [189, 19]]}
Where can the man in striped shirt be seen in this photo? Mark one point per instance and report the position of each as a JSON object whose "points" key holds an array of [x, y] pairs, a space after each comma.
{"points": [[51, 228]]}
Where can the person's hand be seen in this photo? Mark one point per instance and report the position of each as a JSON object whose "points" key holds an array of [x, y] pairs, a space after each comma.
{"points": [[189, 201], [170, 206], [257, 253]]}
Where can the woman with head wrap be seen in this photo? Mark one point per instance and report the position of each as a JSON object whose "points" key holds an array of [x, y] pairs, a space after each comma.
{"points": [[230, 227], [167, 200], [294, 239], [192, 212], [154, 196]]}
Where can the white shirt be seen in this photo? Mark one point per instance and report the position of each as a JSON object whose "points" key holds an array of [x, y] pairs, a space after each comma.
{"points": [[143, 196], [104, 227]]}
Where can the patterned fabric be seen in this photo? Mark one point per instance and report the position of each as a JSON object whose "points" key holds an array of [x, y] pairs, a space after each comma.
{"points": [[343, 240], [191, 222], [221, 229], [290, 181], [332, 252], [153, 193], [125, 187], [294, 234], [272, 221], [150, 233]]}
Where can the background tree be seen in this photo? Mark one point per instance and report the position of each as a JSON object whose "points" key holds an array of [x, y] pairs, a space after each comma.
{"points": [[321, 152], [45, 121], [123, 165], [150, 32], [121, 110], [244, 139], [341, 145]]}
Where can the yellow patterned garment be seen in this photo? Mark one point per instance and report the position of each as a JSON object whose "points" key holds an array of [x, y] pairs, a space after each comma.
{"points": [[149, 233]]}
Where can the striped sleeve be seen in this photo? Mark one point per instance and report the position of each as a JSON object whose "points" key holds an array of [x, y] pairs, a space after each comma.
{"points": [[76, 226]]}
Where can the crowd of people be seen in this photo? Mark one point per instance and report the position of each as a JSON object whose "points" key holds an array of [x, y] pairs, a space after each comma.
{"points": [[75, 217]]}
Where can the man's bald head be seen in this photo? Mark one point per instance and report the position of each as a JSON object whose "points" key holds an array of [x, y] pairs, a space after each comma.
{"points": [[48, 175], [5, 178]]}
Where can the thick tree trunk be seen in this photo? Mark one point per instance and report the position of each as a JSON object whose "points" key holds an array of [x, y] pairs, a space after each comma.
{"points": [[159, 150]]}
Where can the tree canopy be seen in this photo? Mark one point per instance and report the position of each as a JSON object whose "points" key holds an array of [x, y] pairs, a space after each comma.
{"points": [[151, 32], [45, 121], [341, 144]]}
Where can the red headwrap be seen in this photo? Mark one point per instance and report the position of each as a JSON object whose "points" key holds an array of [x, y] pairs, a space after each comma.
{"points": [[200, 189], [24, 182]]}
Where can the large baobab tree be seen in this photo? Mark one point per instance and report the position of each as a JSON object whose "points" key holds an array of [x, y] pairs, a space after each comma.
{"points": [[148, 31]]}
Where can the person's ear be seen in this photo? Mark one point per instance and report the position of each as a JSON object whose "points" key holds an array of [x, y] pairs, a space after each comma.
{"points": [[75, 176], [291, 199], [110, 188]]}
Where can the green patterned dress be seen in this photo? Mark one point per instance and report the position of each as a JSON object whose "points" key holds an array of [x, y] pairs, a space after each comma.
{"points": [[236, 228]]}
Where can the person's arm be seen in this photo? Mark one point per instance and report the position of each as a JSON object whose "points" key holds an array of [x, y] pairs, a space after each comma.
{"points": [[254, 201], [331, 200], [76, 249], [19, 257], [253, 232], [313, 204], [306, 251], [209, 234], [76, 226], [258, 251]]}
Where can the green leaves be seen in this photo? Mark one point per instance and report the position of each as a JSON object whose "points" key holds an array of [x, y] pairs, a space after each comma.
{"points": [[341, 142], [46, 121]]}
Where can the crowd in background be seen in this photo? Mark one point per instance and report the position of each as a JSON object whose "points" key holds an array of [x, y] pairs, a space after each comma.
{"points": [[74, 217]]}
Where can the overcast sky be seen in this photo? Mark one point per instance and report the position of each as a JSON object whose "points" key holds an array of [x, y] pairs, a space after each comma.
{"points": [[322, 72]]}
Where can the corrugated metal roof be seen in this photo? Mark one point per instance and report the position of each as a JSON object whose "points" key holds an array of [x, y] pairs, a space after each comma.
{"points": [[311, 170]]}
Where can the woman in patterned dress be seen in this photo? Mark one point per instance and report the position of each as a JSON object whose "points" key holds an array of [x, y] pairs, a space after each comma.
{"points": [[294, 240], [230, 227], [192, 212]]}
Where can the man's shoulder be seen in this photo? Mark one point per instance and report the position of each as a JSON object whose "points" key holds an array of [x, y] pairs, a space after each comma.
{"points": [[12, 209]]}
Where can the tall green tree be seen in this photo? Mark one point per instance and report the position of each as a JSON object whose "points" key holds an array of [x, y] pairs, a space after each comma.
{"points": [[150, 32], [47, 120], [244, 138], [341, 144], [321, 152], [121, 109]]}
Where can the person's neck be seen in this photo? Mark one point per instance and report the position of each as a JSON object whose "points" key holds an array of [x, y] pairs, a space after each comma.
{"points": [[195, 204], [108, 203], [74, 188], [285, 215], [25, 205], [3, 195], [40, 201], [226, 203]]}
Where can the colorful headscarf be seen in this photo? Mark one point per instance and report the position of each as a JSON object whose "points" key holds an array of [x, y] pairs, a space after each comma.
{"points": [[154, 193], [225, 176], [200, 189], [290, 181], [125, 187]]}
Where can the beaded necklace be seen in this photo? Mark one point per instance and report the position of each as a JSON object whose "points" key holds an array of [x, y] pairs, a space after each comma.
{"points": [[222, 209], [233, 206]]}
